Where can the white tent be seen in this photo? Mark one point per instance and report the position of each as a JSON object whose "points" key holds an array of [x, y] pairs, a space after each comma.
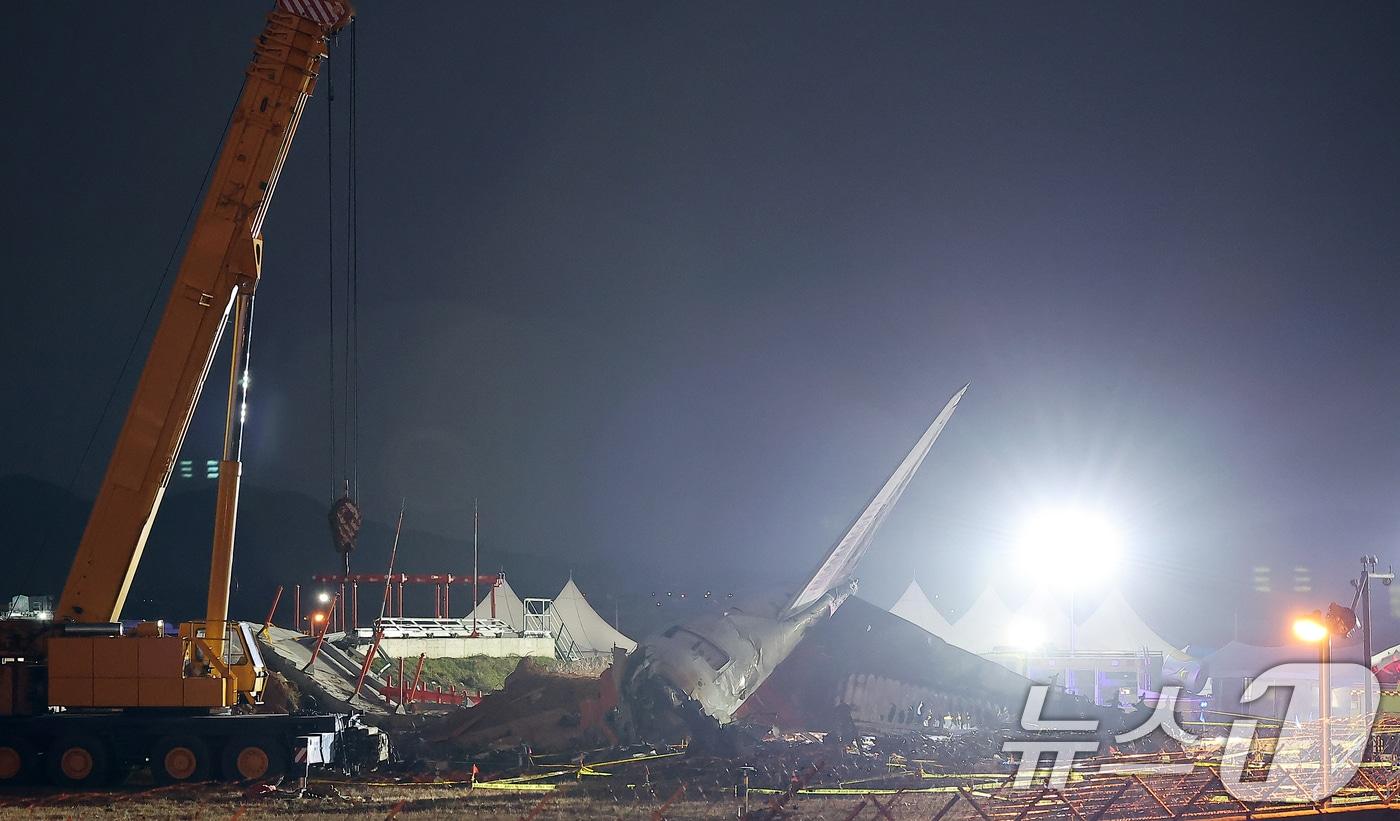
{"points": [[591, 632], [985, 625], [1040, 621], [1115, 627], [914, 606], [509, 608]]}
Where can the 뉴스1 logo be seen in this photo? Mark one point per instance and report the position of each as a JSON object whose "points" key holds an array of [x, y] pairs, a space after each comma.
{"points": [[1302, 769]]}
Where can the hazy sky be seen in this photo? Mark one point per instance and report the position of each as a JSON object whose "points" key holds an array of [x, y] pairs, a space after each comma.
{"points": [[679, 283]]}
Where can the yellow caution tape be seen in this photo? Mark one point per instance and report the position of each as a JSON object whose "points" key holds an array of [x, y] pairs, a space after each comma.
{"points": [[515, 787]]}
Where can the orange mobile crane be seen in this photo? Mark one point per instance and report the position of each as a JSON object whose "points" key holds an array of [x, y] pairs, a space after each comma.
{"points": [[84, 698]]}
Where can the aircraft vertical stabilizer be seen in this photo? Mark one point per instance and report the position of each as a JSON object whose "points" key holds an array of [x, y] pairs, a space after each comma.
{"points": [[840, 561]]}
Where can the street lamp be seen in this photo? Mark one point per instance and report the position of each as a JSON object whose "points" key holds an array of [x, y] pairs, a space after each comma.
{"points": [[323, 597], [1313, 629], [1310, 629]]}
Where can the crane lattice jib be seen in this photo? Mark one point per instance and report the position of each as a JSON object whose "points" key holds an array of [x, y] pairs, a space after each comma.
{"points": [[222, 258]]}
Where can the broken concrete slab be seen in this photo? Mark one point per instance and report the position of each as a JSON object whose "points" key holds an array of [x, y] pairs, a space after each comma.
{"points": [[330, 681]]}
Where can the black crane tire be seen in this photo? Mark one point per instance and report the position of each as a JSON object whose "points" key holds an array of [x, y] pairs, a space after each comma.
{"points": [[253, 759], [78, 761], [19, 760], [180, 759]]}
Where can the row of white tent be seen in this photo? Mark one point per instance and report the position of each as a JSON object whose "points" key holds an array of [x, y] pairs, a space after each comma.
{"points": [[590, 632], [1040, 622]]}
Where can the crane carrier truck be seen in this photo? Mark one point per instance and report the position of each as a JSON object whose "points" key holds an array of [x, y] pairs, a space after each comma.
{"points": [[85, 697]]}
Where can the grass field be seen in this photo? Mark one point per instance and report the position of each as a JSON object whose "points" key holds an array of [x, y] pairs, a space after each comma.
{"points": [[342, 800]]}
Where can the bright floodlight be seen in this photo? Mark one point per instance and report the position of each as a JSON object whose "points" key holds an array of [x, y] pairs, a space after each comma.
{"points": [[1309, 629], [1068, 547], [1025, 634], [323, 597], [318, 617]]}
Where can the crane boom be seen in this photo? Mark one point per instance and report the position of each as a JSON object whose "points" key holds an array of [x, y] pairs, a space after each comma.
{"points": [[222, 261]]}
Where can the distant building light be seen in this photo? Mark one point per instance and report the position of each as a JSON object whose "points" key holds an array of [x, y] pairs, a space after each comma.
{"points": [[211, 469], [186, 469]]}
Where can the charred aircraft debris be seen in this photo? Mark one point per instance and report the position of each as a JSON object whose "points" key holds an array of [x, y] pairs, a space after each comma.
{"points": [[701, 672]]}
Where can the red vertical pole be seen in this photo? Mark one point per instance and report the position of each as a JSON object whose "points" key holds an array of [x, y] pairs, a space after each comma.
{"points": [[493, 601], [272, 611], [355, 605], [342, 607], [401, 578], [320, 640], [417, 673], [447, 599], [369, 659], [296, 605], [388, 580], [401, 681]]}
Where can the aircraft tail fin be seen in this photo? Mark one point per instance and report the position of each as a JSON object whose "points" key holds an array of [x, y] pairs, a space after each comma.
{"points": [[840, 561]]}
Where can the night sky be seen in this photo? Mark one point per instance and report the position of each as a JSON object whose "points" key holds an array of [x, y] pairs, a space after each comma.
{"points": [[672, 287]]}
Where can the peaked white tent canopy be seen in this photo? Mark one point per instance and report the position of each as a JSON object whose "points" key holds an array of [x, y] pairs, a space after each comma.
{"points": [[914, 606], [509, 607], [1040, 621], [1116, 627], [591, 632], [984, 626]]}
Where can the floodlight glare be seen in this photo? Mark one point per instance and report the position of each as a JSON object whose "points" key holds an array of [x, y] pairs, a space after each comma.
{"points": [[1069, 547], [318, 617], [323, 597], [1025, 634], [1309, 629]]}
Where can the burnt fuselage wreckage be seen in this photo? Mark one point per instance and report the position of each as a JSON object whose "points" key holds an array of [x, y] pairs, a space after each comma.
{"points": [[700, 672]]}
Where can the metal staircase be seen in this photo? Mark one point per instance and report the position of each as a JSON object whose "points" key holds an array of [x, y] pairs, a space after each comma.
{"points": [[541, 621]]}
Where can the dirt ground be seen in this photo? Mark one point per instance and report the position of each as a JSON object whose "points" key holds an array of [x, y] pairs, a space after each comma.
{"points": [[411, 801]]}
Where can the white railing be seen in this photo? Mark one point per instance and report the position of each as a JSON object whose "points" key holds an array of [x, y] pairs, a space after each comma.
{"points": [[435, 628]]}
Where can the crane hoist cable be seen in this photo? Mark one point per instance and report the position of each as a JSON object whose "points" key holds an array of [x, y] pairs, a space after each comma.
{"points": [[345, 518], [352, 269], [330, 273]]}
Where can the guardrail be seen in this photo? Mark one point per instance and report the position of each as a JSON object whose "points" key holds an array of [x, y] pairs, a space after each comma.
{"points": [[396, 628]]}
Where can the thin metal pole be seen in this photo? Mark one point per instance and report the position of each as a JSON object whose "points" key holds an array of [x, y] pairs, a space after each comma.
{"points": [[1324, 681], [272, 611], [476, 528], [417, 674], [320, 640], [369, 659], [1366, 569], [393, 554], [296, 605]]}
